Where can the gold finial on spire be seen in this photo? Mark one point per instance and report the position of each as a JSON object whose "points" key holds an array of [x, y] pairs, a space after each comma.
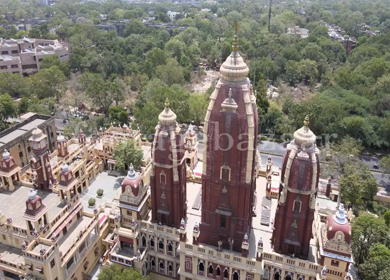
{"points": [[235, 40], [306, 121], [167, 103]]}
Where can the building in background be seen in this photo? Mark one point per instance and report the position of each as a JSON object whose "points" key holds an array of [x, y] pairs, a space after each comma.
{"points": [[296, 30], [23, 56]]}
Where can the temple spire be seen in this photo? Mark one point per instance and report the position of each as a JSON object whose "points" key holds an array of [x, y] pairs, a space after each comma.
{"points": [[167, 104], [306, 121], [235, 40]]}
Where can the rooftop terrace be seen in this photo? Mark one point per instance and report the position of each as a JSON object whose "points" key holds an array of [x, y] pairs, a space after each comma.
{"points": [[11, 255], [13, 204], [73, 233]]}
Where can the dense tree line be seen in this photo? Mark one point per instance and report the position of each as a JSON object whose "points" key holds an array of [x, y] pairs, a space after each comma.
{"points": [[348, 94]]}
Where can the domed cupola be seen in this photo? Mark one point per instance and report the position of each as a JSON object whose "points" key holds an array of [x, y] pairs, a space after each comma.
{"points": [[38, 141], [33, 203], [167, 116], [66, 176], [191, 139], [8, 162], [132, 182], [338, 227]]}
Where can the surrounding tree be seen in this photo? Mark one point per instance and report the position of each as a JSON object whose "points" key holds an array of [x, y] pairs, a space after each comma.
{"points": [[221, 25], [23, 105], [171, 72], [386, 216], [103, 93], [115, 273], [118, 115], [7, 110], [53, 60], [366, 231], [358, 186], [341, 157], [48, 83], [385, 164], [378, 259], [198, 107], [15, 85], [127, 153]]}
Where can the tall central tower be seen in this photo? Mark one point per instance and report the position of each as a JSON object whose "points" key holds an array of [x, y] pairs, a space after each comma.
{"points": [[229, 158]]}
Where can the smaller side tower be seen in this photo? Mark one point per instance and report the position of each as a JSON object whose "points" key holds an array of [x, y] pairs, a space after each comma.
{"points": [[168, 175], [40, 162], [191, 147], [335, 245], [36, 214], [10, 171], [62, 146], [297, 195]]}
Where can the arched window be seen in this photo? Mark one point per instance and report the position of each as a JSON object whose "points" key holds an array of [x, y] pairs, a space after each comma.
{"points": [[188, 264], [277, 275], [218, 272], [225, 172], [266, 273], [211, 269], [226, 274], [162, 177], [236, 276], [161, 245], [170, 247], [152, 243], [288, 277], [170, 268], [153, 264], [297, 204], [201, 267], [143, 241], [162, 266]]}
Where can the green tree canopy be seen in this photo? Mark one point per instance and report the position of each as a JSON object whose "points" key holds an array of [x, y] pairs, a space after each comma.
{"points": [[7, 110], [378, 259], [15, 85], [118, 115], [127, 153], [115, 273], [366, 231], [48, 83], [358, 186], [171, 72]]}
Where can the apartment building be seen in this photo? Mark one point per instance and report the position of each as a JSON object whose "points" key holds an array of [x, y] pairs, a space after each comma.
{"points": [[23, 56]]}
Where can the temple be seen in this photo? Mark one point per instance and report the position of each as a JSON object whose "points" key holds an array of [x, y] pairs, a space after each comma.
{"points": [[229, 177], [180, 214]]}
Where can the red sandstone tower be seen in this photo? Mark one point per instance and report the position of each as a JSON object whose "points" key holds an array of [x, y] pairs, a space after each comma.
{"points": [[40, 162], [229, 158], [168, 176], [297, 195]]}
